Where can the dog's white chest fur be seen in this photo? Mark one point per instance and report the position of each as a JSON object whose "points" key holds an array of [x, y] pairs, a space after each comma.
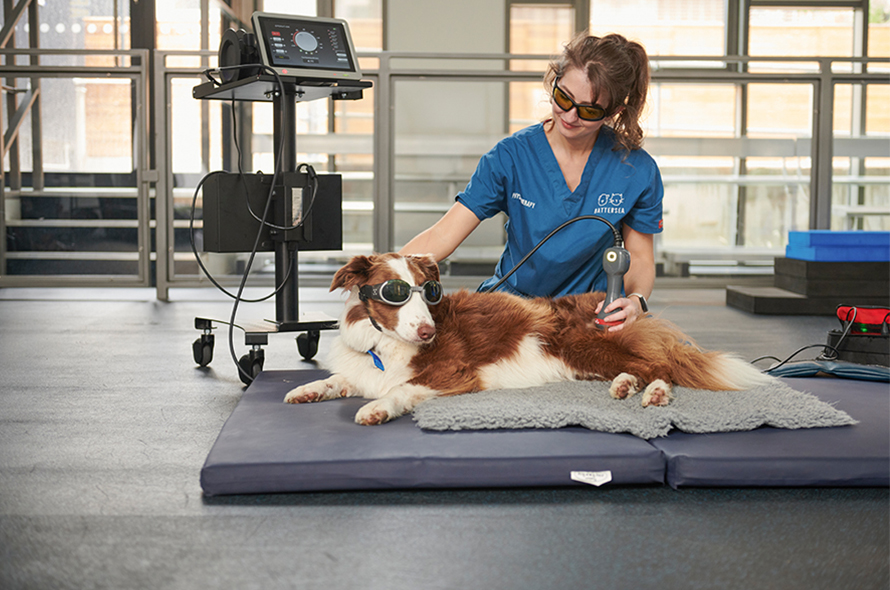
{"points": [[359, 367]]}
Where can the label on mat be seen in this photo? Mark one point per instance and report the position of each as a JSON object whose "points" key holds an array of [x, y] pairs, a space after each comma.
{"points": [[594, 478]]}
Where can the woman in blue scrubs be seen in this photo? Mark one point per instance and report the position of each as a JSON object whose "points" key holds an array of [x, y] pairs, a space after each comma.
{"points": [[584, 160]]}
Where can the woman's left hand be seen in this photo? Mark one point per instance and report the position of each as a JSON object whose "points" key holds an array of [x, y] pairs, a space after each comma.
{"points": [[628, 310]]}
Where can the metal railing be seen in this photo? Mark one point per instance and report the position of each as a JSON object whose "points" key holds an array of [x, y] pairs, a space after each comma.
{"points": [[131, 65], [385, 146], [734, 70]]}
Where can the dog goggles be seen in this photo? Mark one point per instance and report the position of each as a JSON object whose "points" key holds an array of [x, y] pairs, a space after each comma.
{"points": [[588, 112], [398, 292]]}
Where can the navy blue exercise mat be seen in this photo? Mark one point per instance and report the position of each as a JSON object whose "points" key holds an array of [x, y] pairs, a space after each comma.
{"points": [[267, 446], [857, 455]]}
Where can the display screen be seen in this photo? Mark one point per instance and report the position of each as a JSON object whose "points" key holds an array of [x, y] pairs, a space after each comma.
{"points": [[305, 44]]}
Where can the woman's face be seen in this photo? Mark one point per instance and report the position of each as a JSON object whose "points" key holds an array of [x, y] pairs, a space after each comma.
{"points": [[575, 84]]}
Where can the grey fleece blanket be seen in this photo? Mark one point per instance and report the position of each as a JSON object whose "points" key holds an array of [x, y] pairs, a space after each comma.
{"points": [[588, 404]]}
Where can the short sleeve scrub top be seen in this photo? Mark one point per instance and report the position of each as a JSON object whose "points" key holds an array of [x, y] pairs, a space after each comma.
{"points": [[521, 177]]}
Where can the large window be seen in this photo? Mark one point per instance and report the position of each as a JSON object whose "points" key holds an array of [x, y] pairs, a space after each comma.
{"points": [[90, 118], [801, 32], [535, 30], [860, 188], [879, 28], [734, 140], [675, 27], [70, 197]]}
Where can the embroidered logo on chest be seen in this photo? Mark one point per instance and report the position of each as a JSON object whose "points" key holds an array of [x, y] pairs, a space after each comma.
{"points": [[610, 203], [524, 202]]}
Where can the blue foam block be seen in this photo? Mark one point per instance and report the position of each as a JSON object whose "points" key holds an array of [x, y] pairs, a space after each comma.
{"points": [[841, 254], [839, 246]]}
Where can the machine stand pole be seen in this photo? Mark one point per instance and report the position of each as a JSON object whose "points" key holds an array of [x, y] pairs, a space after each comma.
{"points": [[287, 301]]}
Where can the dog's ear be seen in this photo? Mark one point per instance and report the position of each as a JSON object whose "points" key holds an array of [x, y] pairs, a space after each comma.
{"points": [[355, 272], [428, 266]]}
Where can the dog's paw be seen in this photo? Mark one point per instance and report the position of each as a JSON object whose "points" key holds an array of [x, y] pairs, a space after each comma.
{"points": [[317, 391], [376, 412], [658, 393], [624, 386], [301, 395]]}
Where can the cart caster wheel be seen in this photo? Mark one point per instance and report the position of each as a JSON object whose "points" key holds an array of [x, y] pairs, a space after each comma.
{"points": [[251, 366], [307, 344], [202, 350]]}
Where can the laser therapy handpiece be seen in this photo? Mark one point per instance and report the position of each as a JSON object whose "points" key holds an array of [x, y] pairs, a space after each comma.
{"points": [[616, 261]]}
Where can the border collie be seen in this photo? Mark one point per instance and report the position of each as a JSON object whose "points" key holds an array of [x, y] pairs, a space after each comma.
{"points": [[402, 341]]}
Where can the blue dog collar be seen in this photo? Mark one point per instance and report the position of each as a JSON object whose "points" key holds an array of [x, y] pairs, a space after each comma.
{"points": [[377, 362]]}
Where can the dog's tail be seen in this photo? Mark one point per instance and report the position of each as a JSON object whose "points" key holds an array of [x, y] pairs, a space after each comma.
{"points": [[690, 366], [728, 372]]}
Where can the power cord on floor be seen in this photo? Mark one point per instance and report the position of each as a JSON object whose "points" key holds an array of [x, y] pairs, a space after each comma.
{"points": [[794, 354]]}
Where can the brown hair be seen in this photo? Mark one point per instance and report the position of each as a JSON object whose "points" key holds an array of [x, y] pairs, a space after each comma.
{"points": [[616, 67]]}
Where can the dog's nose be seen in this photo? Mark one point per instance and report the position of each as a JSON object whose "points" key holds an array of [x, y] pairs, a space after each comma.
{"points": [[426, 332]]}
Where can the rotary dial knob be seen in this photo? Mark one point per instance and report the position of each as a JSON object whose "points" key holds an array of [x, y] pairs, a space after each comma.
{"points": [[306, 41]]}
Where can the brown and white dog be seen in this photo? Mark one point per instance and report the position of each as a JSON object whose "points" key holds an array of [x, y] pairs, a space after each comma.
{"points": [[402, 355]]}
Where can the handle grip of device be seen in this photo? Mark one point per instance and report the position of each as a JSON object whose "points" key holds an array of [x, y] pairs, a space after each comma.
{"points": [[616, 262]]}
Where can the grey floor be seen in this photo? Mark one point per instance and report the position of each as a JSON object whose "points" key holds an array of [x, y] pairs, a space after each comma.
{"points": [[105, 422]]}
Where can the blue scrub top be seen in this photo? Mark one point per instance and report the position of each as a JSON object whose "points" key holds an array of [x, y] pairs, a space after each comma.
{"points": [[521, 177]]}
